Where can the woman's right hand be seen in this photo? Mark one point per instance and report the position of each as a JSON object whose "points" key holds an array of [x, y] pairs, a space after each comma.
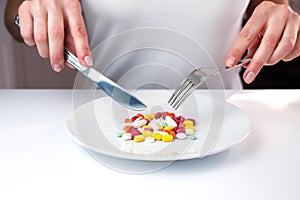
{"points": [[51, 25]]}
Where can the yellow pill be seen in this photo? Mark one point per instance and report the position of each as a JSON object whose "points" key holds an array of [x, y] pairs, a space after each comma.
{"points": [[147, 133], [152, 116], [190, 127], [188, 122], [148, 116], [149, 127], [157, 136], [167, 138], [168, 128], [139, 138]]}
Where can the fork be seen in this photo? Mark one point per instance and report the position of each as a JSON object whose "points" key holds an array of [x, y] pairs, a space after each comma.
{"points": [[194, 79]]}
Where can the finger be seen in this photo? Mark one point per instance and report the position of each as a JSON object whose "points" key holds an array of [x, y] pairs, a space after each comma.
{"points": [[40, 34], [78, 32], [253, 47], [265, 49], [26, 24], [69, 43], [247, 35], [56, 40], [296, 51], [288, 40]]}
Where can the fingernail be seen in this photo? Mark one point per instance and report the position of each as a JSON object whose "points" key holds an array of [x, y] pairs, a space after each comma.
{"points": [[88, 60], [230, 61], [250, 76], [57, 67]]}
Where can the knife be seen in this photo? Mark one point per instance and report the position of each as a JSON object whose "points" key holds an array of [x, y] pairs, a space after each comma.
{"points": [[112, 89]]}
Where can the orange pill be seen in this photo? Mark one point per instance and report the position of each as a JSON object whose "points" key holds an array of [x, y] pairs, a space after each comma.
{"points": [[140, 115], [127, 120], [127, 129], [171, 115], [172, 133]]}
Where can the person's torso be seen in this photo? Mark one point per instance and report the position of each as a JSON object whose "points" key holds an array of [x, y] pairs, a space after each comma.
{"points": [[130, 37]]}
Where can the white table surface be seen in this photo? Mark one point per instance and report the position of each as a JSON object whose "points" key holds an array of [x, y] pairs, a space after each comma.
{"points": [[38, 159]]}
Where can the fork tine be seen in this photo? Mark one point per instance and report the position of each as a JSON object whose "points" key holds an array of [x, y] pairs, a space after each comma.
{"points": [[183, 95], [178, 91]]}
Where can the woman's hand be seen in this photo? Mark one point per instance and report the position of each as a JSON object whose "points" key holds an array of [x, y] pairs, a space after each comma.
{"points": [[271, 34], [51, 25]]}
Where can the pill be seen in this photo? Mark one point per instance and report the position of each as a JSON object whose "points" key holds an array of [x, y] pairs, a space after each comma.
{"points": [[157, 136], [140, 115], [148, 116], [134, 132], [139, 123], [152, 116], [170, 121], [172, 115], [193, 137], [168, 128], [163, 115], [139, 138], [161, 132], [189, 131], [127, 120], [147, 120], [188, 122], [167, 138], [181, 125], [181, 136], [126, 136], [148, 129], [181, 118], [134, 118], [153, 124], [157, 115], [180, 130], [147, 134], [127, 129], [192, 120], [149, 140], [189, 127], [165, 124], [119, 134], [172, 133]]}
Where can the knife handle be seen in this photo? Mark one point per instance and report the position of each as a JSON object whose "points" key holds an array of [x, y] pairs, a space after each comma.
{"points": [[73, 60]]}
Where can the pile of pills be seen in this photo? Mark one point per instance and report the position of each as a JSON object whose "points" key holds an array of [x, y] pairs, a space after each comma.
{"points": [[161, 126]]}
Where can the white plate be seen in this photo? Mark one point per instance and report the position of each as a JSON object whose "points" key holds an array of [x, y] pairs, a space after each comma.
{"points": [[221, 125]]}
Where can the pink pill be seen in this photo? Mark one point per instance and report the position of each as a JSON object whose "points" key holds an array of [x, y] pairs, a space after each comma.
{"points": [[180, 125], [180, 130], [175, 128], [148, 129], [181, 118], [158, 115], [134, 132]]}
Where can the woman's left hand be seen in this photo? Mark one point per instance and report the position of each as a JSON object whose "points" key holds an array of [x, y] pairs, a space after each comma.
{"points": [[271, 34]]}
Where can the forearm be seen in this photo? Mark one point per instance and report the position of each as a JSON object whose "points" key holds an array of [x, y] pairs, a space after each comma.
{"points": [[254, 3], [10, 13]]}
